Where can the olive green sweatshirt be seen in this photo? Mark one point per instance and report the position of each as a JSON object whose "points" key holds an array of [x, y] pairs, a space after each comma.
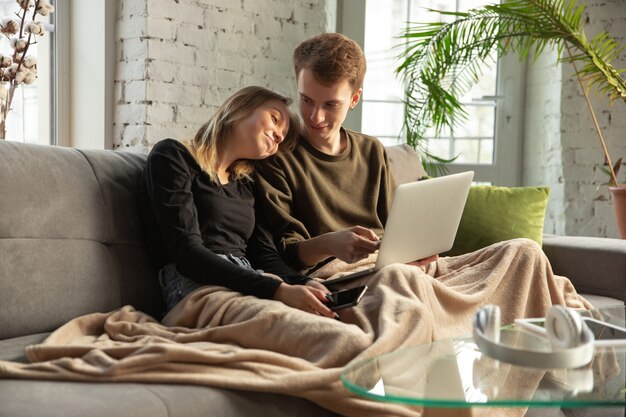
{"points": [[305, 193]]}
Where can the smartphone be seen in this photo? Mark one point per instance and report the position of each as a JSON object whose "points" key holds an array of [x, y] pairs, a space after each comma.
{"points": [[345, 298], [606, 334]]}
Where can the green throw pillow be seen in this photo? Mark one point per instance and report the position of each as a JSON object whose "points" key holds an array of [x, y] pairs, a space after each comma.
{"points": [[493, 214]]}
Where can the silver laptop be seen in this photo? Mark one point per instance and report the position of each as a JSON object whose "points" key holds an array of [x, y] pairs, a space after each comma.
{"points": [[422, 222]]}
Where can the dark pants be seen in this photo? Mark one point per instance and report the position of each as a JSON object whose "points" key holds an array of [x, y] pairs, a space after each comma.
{"points": [[176, 286]]}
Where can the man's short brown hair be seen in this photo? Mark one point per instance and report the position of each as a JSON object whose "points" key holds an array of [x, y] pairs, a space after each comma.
{"points": [[331, 57]]}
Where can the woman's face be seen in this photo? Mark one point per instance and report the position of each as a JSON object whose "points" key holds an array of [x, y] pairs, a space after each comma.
{"points": [[258, 135]]}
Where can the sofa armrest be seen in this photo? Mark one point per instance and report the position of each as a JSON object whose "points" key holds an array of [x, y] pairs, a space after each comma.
{"points": [[594, 265]]}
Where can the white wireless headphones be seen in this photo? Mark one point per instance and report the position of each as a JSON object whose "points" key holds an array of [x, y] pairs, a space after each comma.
{"points": [[570, 338]]}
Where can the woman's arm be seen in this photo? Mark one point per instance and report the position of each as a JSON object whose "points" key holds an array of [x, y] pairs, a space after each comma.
{"points": [[168, 181], [299, 291], [262, 254]]}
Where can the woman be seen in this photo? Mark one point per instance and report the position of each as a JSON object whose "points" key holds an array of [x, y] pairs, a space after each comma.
{"points": [[200, 193]]}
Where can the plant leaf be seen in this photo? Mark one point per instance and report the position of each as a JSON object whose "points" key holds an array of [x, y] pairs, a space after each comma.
{"points": [[443, 60]]}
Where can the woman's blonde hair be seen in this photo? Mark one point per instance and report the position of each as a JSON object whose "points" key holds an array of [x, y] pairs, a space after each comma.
{"points": [[212, 135]]}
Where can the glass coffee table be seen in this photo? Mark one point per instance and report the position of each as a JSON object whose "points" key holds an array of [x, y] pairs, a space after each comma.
{"points": [[454, 374]]}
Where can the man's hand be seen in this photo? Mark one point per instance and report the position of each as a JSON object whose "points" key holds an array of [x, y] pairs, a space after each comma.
{"points": [[305, 298], [353, 244], [423, 262], [350, 245]]}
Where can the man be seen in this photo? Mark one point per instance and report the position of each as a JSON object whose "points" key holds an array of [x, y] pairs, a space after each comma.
{"points": [[330, 197]]}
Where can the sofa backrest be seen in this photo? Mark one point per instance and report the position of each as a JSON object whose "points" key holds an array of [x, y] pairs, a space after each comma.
{"points": [[71, 239], [405, 164]]}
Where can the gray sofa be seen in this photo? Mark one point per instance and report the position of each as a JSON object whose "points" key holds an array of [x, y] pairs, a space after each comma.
{"points": [[72, 243]]}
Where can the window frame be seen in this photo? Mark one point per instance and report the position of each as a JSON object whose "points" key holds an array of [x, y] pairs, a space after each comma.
{"points": [[506, 169], [60, 97], [90, 75]]}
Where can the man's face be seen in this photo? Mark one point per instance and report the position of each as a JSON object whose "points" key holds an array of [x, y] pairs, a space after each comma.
{"points": [[324, 108]]}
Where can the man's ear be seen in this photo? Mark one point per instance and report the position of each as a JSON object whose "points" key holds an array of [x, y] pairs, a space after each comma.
{"points": [[355, 98]]}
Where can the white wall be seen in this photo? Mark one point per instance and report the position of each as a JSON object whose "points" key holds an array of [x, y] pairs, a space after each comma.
{"points": [[178, 60], [561, 147], [589, 211]]}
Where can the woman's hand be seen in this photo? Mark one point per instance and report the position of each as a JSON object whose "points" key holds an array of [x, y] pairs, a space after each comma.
{"points": [[316, 284], [305, 298]]}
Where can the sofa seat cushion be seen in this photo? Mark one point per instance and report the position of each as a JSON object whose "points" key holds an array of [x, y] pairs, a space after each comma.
{"points": [[14, 349], [600, 301], [21, 398], [74, 399]]}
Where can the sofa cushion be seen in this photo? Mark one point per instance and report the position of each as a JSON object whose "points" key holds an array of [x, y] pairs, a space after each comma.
{"points": [[70, 236], [494, 214], [595, 265], [14, 349], [73, 399], [67, 399], [50, 290], [599, 301], [405, 164], [50, 190]]}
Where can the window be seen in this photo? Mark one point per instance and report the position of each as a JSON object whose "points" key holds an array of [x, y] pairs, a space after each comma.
{"points": [[71, 102], [29, 119], [494, 105]]}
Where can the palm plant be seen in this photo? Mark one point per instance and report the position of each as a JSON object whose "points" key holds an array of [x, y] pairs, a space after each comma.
{"points": [[443, 60]]}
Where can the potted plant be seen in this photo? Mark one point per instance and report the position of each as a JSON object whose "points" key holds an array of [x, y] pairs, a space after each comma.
{"points": [[18, 67], [443, 60]]}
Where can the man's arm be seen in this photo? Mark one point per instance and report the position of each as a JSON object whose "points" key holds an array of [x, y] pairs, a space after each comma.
{"points": [[274, 205], [300, 250], [349, 245], [286, 211]]}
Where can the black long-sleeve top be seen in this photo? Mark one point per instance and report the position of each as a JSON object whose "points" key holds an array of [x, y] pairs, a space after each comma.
{"points": [[198, 219]]}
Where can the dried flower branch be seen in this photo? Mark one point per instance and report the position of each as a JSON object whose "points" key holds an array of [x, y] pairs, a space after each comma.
{"points": [[19, 68]]}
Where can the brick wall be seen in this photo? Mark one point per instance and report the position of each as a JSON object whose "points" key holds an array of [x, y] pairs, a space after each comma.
{"points": [[561, 146], [177, 60]]}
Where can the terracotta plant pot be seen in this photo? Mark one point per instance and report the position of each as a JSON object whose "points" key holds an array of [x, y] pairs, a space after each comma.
{"points": [[619, 202]]}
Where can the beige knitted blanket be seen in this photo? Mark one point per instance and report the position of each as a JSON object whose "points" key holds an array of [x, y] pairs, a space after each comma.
{"points": [[221, 338]]}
